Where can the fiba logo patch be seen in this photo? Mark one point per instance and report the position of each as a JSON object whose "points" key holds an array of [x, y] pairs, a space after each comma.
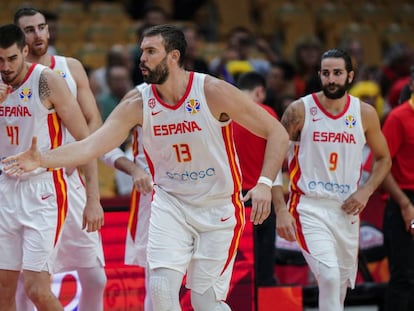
{"points": [[61, 73], [350, 121], [25, 94], [192, 106]]}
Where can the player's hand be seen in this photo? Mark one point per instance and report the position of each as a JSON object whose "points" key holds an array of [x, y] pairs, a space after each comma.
{"points": [[356, 202], [261, 203], [142, 181], [5, 89], [407, 213], [285, 225], [23, 162], [70, 170], [93, 216]]}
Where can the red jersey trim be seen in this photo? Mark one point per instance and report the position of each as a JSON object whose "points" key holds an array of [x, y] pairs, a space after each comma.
{"points": [[181, 101], [326, 112], [55, 131], [150, 164], [236, 199], [135, 144], [52, 62], [29, 72], [61, 200], [294, 171], [293, 205], [133, 212]]}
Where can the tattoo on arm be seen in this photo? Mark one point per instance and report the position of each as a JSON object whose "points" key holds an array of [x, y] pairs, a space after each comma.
{"points": [[292, 121], [44, 90]]}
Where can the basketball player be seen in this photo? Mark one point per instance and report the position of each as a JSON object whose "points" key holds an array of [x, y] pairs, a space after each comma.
{"points": [[328, 131], [89, 259], [197, 212], [34, 101]]}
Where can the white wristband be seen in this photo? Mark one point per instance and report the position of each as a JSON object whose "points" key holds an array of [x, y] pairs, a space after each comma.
{"points": [[265, 180]]}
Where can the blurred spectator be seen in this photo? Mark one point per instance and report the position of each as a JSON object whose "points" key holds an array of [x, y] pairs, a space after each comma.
{"points": [[118, 55], [354, 48], [370, 92], [395, 91], [306, 58], [186, 9], [280, 84], [155, 15], [397, 62], [144, 10], [405, 93], [398, 226], [192, 60], [250, 149], [238, 59], [282, 102], [119, 83]]}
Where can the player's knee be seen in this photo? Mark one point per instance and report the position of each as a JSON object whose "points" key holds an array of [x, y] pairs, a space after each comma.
{"points": [[217, 306], [160, 293], [93, 278], [329, 277], [207, 302], [37, 294]]}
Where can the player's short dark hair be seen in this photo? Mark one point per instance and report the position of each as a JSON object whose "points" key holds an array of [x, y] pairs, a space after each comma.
{"points": [[250, 80], [11, 34], [25, 11], [172, 36], [338, 53]]}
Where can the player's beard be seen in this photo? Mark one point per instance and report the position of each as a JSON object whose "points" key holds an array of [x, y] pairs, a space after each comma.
{"points": [[38, 51], [340, 90], [159, 74], [10, 79]]}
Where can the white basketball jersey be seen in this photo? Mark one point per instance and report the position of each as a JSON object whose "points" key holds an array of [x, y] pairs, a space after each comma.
{"points": [[327, 161], [23, 116], [59, 65], [191, 154], [137, 147], [140, 207]]}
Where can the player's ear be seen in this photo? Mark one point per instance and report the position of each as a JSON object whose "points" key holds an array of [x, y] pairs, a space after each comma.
{"points": [[175, 55], [351, 76]]}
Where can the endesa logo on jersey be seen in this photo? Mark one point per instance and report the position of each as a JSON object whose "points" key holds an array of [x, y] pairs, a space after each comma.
{"points": [[328, 186], [189, 176]]}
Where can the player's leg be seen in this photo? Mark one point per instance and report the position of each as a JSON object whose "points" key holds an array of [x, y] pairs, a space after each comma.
{"points": [[39, 199], [23, 303], [208, 301], [329, 284], [164, 285], [211, 267], [147, 300], [80, 250], [8, 285], [10, 243], [37, 287], [93, 281]]}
